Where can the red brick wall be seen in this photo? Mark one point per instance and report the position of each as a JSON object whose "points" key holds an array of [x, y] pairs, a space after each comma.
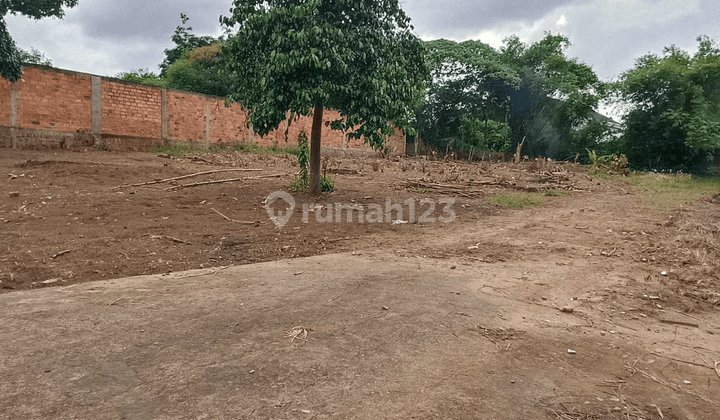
{"points": [[330, 137], [4, 101], [54, 100], [130, 109], [60, 100], [186, 112], [229, 124]]}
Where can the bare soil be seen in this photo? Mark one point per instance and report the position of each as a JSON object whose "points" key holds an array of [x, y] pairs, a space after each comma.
{"points": [[591, 306]]}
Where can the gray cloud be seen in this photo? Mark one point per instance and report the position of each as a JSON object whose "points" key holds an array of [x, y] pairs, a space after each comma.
{"points": [[154, 20], [460, 19], [103, 37]]}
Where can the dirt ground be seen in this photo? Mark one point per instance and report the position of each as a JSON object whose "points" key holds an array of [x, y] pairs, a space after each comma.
{"points": [[591, 306]]}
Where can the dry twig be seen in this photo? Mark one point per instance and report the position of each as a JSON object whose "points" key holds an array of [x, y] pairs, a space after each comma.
{"points": [[220, 181], [298, 332], [170, 238], [232, 220], [60, 253], [158, 181]]}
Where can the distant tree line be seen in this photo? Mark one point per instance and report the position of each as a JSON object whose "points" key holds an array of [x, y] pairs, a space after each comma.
{"points": [[470, 96]]}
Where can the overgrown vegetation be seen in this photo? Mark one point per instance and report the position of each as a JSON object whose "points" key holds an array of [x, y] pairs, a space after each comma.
{"points": [[301, 182], [183, 149], [672, 119], [486, 99], [607, 165]]}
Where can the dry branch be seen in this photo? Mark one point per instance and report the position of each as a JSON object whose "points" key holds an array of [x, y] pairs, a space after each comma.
{"points": [[686, 324], [183, 177], [445, 188], [219, 181], [60, 253], [232, 220], [169, 237], [693, 317]]}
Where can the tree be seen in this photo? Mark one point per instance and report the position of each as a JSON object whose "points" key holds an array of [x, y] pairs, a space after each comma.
{"points": [[358, 57], [33, 57], [143, 76], [193, 65], [198, 70], [469, 83], [184, 41], [10, 58], [673, 120], [546, 99], [556, 98]]}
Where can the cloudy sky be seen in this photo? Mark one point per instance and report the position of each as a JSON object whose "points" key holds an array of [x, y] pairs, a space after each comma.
{"points": [[106, 37]]}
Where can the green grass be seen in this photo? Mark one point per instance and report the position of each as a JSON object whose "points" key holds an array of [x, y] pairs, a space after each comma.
{"points": [[182, 149], [556, 193], [517, 200], [667, 192], [418, 190]]}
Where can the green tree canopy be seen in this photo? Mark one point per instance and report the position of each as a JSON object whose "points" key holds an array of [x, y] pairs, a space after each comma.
{"points": [[674, 108], [198, 70], [11, 60], [545, 98], [193, 65], [358, 57], [184, 41], [33, 57]]}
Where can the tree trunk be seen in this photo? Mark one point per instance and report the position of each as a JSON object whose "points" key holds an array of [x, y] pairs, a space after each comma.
{"points": [[518, 155], [315, 136]]}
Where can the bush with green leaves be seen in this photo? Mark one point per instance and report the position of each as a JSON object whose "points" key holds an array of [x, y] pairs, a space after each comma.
{"points": [[609, 165], [301, 182]]}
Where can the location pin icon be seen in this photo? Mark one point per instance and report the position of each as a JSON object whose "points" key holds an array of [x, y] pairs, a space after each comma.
{"points": [[281, 218]]}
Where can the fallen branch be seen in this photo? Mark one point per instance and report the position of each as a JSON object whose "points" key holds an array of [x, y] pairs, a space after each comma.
{"points": [[223, 180], [687, 324], [347, 238], [445, 188], [682, 361], [115, 301], [170, 238], [232, 220], [60, 253], [183, 177], [693, 317]]}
